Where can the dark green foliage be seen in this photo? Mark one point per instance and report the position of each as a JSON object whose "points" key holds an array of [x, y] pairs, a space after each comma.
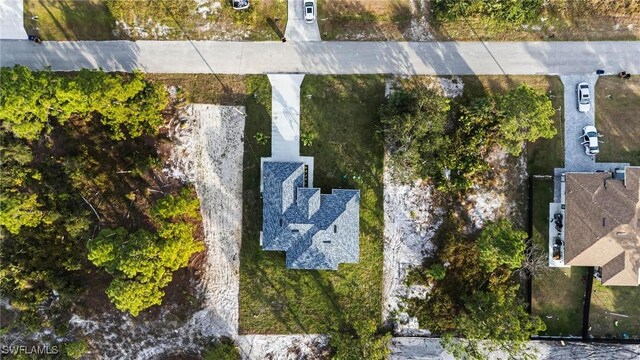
{"points": [[224, 349], [127, 104], [477, 298], [413, 125], [500, 244], [142, 262], [430, 138], [508, 12]]}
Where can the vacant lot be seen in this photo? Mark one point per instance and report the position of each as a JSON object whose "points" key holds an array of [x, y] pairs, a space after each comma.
{"points": [[341, 112], [372, 20], [618, 119], [146, 19], [545, 154], [414, 20]]}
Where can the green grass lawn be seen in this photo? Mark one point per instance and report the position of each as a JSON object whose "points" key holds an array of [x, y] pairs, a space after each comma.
{"points": [[615, 303], [342, 112], [557, 294], [618, 119], [69, 19]]}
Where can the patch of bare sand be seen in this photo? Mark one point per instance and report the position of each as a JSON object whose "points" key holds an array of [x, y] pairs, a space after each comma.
{"points": [[410, 221], [209, 151], [283, 347]]}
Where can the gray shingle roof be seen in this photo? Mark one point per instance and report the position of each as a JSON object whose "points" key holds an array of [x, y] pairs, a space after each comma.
{"points": [[318, 231]]}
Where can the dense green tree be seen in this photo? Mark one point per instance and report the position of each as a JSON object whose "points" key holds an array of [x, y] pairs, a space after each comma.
{"points": [[413, 125], [19, 210], [474, 305], [429, 138], [525, 115], [142, 262], [500, 244], [128, 104]]}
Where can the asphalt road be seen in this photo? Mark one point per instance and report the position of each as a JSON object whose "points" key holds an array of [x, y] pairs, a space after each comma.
{"points": [[408, 58]]}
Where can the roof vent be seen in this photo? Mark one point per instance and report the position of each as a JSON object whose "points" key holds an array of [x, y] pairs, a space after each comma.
{"points": [[604, 222], [335, 229]]}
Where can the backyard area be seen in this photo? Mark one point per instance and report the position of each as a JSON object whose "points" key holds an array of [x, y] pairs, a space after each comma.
{"points": [[558, 293], [618, 119], [615, 311], [153, 20], [338, 114]]}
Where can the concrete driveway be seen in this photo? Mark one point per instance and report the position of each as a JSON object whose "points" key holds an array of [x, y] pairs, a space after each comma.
{"points": [[297, 28], [575, 158], [11, 21], [285, 112]]}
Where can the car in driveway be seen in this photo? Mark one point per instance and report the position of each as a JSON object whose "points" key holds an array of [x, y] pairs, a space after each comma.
{"points": [[240, 4], [590, 140], [584, 97], [309, 11]]}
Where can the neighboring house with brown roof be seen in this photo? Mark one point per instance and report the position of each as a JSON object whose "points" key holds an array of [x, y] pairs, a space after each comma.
{"points": [[602, 224]]}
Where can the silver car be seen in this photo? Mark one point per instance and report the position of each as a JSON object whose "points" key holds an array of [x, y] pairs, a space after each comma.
{"points": [[584, 97]]}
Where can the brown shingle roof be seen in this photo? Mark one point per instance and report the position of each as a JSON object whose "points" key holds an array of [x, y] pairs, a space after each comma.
{"points": [[602, 224]]}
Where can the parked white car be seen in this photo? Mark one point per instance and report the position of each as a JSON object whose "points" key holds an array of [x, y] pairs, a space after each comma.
{"points": [[590, 140], [584, 97], [309, 11]]}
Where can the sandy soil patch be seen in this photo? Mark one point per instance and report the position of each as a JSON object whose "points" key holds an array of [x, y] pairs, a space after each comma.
{"points": [[490, 203], [209, 153], [410, 221], [283, 347]]}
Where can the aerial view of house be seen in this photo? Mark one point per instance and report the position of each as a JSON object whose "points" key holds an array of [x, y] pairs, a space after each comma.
{"points": [[319, 179]]}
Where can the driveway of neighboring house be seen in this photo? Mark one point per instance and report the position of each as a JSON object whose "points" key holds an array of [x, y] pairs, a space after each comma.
{"points": [[11, 21], [297, 28], [285, 113], [575, 159]]}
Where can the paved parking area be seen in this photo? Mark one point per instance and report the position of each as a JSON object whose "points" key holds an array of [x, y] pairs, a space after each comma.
{"points": [[575, 158], [297, 28]]}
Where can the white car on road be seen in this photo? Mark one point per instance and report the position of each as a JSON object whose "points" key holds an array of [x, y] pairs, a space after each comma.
{"points": [[309, 11], [584, 97], [590, 140]]}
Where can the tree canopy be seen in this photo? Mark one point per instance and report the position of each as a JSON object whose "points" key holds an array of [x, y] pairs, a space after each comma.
{"points": [[430, 138], [476, 298], [127, 104], [142, 262]]}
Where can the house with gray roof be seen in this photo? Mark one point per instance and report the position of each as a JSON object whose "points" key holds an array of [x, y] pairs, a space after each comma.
{"points": [[317, 231], [603, 224]]}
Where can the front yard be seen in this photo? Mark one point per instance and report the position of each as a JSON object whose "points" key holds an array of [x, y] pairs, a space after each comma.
{"points": [[618, 119], [153, 20], [340, 112]]}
